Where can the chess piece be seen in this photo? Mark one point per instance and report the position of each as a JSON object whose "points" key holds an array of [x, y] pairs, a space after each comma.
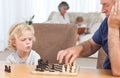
{"points": [[7, 68], [63, 68], [40, 61], [73, 67], [68, 68], [52, 67]]}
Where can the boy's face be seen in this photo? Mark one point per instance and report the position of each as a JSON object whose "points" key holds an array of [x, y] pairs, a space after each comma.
{"points": [[24, 42]]}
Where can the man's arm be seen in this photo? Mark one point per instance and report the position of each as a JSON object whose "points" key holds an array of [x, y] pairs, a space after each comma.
{"points": [[114, 50], [87, 48], [114, 39]]}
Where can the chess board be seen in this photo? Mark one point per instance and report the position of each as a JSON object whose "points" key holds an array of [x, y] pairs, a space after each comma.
{"points": [[54, 69]]}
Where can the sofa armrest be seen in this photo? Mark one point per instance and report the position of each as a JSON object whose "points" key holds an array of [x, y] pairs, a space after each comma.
{"points": [[101, 58]]}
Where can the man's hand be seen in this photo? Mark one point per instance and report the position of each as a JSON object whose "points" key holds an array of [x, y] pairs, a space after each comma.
{"points": [[69, 54], [114, 18]]}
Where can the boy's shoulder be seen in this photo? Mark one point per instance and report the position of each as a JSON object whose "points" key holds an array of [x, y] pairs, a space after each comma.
{"points": [[12, 54], [34, 53]]}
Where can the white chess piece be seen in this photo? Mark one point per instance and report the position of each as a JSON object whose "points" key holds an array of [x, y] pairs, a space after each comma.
{"points": [[63, 68], [68, 68], [74, 67]]}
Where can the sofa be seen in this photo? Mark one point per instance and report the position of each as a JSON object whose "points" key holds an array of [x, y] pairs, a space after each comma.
{"points": [[91, 19]]}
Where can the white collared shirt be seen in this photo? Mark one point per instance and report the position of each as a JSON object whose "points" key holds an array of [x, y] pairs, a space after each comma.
{"points": [[58, 18]]}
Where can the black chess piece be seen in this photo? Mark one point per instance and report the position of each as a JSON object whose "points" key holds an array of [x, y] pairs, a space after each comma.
{"points": [[42, 68], [41, 65], [40, 61], [53, 67], [7, 68]]}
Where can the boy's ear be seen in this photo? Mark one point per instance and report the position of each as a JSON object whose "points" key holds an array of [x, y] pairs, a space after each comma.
{"points": [[14, 43]]}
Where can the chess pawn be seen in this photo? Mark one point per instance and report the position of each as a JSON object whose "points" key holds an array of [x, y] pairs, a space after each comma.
{"points": [[73, 67], [74, 64], [63, 68], [68, 68]]}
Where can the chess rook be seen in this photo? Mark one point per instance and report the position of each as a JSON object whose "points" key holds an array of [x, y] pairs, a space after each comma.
{"points": [[7, 69]]}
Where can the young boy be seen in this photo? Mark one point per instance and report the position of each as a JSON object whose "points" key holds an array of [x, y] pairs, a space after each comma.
{"points": [[79, 22], [21, 37]]}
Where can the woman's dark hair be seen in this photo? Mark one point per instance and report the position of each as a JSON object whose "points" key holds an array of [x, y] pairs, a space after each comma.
{"points": [[63, 3]]}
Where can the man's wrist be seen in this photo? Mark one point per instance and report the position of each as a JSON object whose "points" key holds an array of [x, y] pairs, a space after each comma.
{"points": [[114, 26], [113, 32], [119, 32]]}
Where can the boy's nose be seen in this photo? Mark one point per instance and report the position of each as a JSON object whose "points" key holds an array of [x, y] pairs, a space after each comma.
{"points": [[28, 41]]}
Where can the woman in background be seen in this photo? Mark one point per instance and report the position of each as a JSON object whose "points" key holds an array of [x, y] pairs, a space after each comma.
{"points": [[61, 17]]}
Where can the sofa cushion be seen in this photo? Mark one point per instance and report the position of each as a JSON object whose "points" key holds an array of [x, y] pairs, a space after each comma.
{"points": [[94, 28], [90, 18]]}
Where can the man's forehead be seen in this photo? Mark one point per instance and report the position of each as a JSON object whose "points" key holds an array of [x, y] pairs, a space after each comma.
{"points": [[106, 1]]}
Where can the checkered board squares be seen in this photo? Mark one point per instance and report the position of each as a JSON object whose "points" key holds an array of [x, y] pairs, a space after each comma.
{"points": [[55, 69]]}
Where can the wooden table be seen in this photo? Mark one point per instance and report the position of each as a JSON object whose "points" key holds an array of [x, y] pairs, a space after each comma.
{"points": [[24, 71]]}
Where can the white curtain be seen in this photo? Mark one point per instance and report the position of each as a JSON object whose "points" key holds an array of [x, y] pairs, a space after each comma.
{"points": [[12, 11], [42, 8]]}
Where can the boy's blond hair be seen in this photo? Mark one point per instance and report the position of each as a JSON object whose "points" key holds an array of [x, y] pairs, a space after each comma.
{"points": [[16, 31]]}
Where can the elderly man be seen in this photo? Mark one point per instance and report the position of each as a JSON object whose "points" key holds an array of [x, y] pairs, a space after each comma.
{"points": [[107, 37]]}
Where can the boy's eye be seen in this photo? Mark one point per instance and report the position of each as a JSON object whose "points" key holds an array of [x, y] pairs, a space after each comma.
{"points": [[30, 39], [23, 39]]}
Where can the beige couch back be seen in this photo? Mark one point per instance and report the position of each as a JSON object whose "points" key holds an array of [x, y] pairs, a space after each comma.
{"points": [[51, 38], [90, 18]]}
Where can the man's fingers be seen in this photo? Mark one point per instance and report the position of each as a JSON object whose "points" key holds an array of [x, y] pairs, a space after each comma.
{"points": [[67, 58], [60, 56], [113, 11], [72, 59], [118, 7]]}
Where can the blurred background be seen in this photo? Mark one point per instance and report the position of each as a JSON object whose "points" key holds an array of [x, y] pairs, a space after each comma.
{"points": [[12, 11]]}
